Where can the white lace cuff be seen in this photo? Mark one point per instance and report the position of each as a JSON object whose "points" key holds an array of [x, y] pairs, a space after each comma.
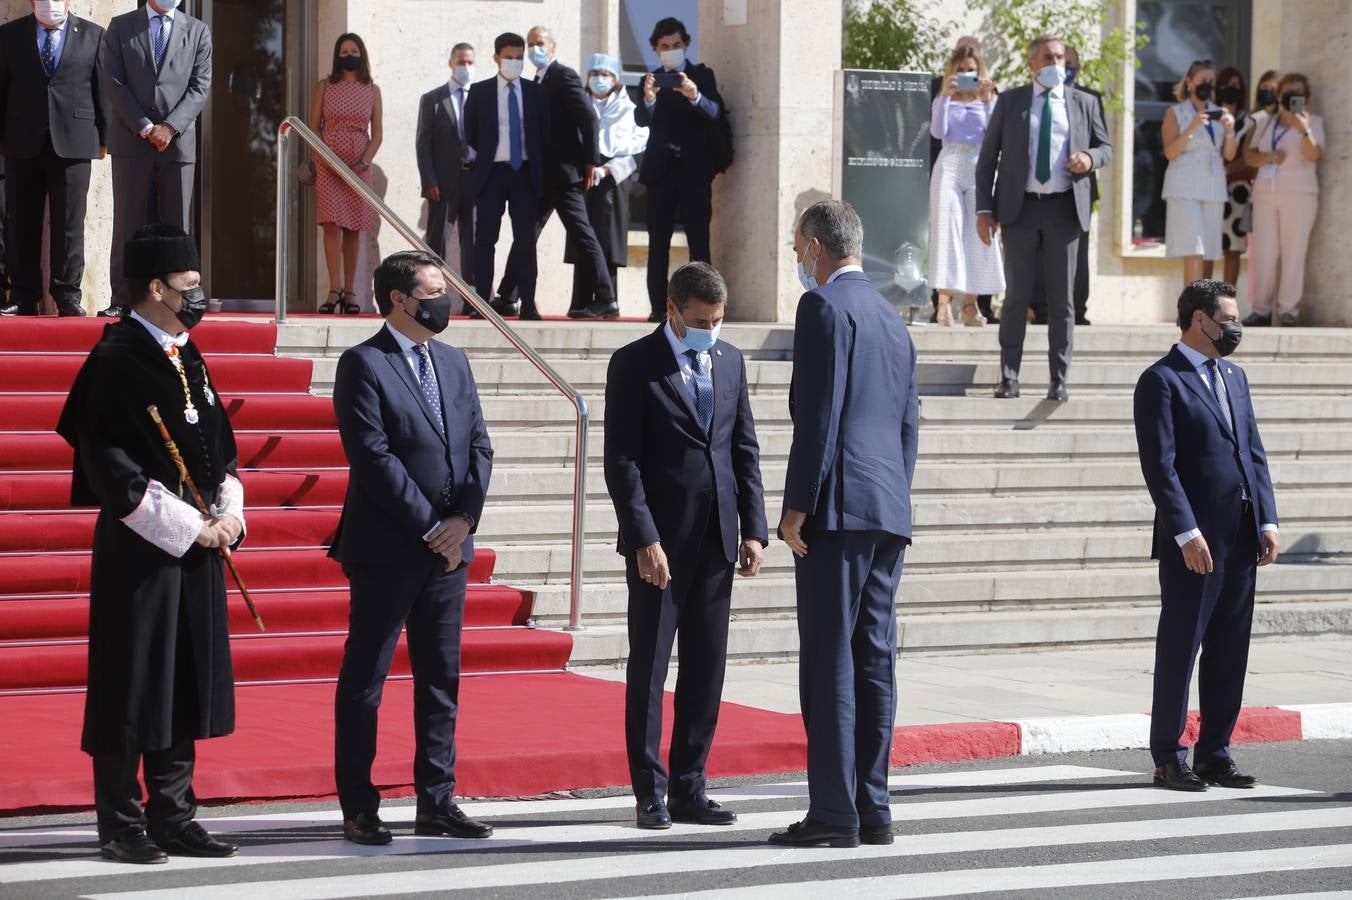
{"points": [[231, 502], [165, 521]]}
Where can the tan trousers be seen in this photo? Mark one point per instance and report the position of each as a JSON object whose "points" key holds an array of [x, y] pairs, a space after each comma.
{"points": [[1282, 223]]}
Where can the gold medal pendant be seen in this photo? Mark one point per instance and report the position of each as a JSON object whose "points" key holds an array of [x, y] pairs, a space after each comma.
{"points": [[189, 411]]}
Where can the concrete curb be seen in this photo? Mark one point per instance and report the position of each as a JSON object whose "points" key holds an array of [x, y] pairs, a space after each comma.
{"points": [[914, 744]]}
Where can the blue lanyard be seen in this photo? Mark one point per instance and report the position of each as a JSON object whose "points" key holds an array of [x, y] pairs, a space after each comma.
{"points": [[1277, 136]]}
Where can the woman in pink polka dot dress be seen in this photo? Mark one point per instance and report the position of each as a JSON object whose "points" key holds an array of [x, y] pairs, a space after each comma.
{"points": [[346, 114]]}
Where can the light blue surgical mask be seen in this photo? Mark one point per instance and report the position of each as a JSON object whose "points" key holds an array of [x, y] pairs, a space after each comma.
{"points": [[1052, 76], [602, 86], [168, 5], [701, 340], [538, 55], [807, 277]]}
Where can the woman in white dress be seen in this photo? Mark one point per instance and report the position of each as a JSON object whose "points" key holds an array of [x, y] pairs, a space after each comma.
{"points": [[959, 263], [1199, 138]]}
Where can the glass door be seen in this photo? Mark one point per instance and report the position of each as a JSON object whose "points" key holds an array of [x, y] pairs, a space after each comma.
{"points": [[260, 50]]}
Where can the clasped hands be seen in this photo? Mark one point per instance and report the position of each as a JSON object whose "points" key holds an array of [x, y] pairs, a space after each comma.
{"points": [[161, 136], [447, 540], [220, 532], [654, 568]]}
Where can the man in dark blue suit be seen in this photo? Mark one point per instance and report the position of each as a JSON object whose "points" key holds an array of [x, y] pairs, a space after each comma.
{"points": [[847, 518], [1215, 523], [506, 121], [683, 469], [420, 459], [678, 166]]}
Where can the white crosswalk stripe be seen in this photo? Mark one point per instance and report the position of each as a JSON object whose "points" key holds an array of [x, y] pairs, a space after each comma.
{"points": [[1014, 814]]}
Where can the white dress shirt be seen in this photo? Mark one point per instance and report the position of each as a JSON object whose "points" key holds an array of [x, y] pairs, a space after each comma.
{"points": [[1199, 363], [1060, 180], [683, 362], [504, 152], [406, 346], [841, 271], [162, 337]]}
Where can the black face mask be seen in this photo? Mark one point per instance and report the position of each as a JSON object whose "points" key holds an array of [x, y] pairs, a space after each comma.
{"points": [[1203, 91], [351, 63], [1266, 97], [434, 313], [1228, 340], [1231, 95], [1288, 97], [194, 304]]}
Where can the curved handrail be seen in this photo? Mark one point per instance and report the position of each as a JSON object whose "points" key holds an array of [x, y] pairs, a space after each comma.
{"points": [[292, 126]]}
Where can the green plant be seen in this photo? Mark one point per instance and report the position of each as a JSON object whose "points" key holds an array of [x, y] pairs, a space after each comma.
{"points": [[1007, 27], [893, 34]]}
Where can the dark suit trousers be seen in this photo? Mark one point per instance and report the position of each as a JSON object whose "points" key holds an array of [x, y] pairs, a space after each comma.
{"points": [[146, 189], [676, 193], [506, 190], [1044, 239], [454, 206], [1213, 613], [171, 803], [847, 630], [570, 203], [32, 184], [429, 604], [692, 612], [1080, 291]]}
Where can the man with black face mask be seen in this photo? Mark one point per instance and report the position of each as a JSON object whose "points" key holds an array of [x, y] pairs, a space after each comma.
{"points": [[159, 647], [1215, 523], [413, 431]]}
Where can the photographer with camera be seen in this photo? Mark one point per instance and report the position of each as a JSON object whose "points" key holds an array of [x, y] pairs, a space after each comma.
{"points": [[1284, 148], [1199, 138]]}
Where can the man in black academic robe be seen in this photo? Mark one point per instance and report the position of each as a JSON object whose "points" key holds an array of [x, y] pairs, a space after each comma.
{"points": [[159, 652]]}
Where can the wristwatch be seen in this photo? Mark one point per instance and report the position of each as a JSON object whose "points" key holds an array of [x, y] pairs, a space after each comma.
{"points": [[469, 520]]}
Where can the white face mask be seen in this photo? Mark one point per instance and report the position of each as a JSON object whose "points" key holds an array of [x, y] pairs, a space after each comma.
{"points": [[1051, 76], [463, 74], [51, 13], [511, 68], [672, 59]]}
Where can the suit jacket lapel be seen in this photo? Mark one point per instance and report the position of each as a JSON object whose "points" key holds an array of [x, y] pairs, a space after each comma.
{"points": [[143, 38], [725, 375], [441, 363], [395, 357], [1193, 380]]}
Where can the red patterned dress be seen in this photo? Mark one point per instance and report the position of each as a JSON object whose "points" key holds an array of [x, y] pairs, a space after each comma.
{"points": [[347, 132]]}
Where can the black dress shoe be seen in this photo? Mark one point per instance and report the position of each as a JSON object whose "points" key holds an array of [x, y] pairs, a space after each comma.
{"points": [[1176, 776], [453, 822], [366, 828], [71, 310], [530, 314], [653, 815], [1008, 389], [1057, 392], [604, 310], [875, 834], [700, 810], [1081, 320], [193, 840], [114, 312], [9, 309], [808, 833], [1224, 774], [504, 308], [1257, 320], [579, 313], [133, 845]]}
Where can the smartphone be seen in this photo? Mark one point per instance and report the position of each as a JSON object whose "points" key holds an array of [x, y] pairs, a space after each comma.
{"points": [[1297, 105], [1214, 114], [968, 81], [667, 80]]}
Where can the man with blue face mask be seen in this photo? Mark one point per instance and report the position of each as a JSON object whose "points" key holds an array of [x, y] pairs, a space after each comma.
{"points": [[1044, 140], [683, 470]]}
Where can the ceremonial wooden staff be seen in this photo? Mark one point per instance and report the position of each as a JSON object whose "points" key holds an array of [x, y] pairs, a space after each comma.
{"points": [[202, 507]]}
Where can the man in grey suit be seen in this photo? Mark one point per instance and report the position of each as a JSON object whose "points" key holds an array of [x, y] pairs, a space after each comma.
{"points": [[1044, 140], [157, 71], [443, 160]]}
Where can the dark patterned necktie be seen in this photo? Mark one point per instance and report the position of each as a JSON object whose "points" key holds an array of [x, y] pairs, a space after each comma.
{"points": [[1218, 391], [704, 391], [427, 380], [49, 52], [160, 42]]}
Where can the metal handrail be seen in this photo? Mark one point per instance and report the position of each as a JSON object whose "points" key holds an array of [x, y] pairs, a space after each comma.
{"points": [[292, 126]]}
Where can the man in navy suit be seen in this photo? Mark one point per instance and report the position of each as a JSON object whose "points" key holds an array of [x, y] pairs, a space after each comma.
{"points": [[506, 121], [847, 519], [683, 469], [1215, 523], [678, 166], [419, 457]]}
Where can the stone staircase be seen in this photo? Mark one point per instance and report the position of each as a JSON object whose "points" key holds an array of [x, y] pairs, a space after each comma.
{"points": [[1032, 521]]}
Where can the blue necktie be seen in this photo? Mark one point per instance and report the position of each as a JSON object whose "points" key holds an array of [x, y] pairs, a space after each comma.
{"points": [[704, 391], [514, 126], [159, 42], [1218, 391], [427, 380], [49, 52]]}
